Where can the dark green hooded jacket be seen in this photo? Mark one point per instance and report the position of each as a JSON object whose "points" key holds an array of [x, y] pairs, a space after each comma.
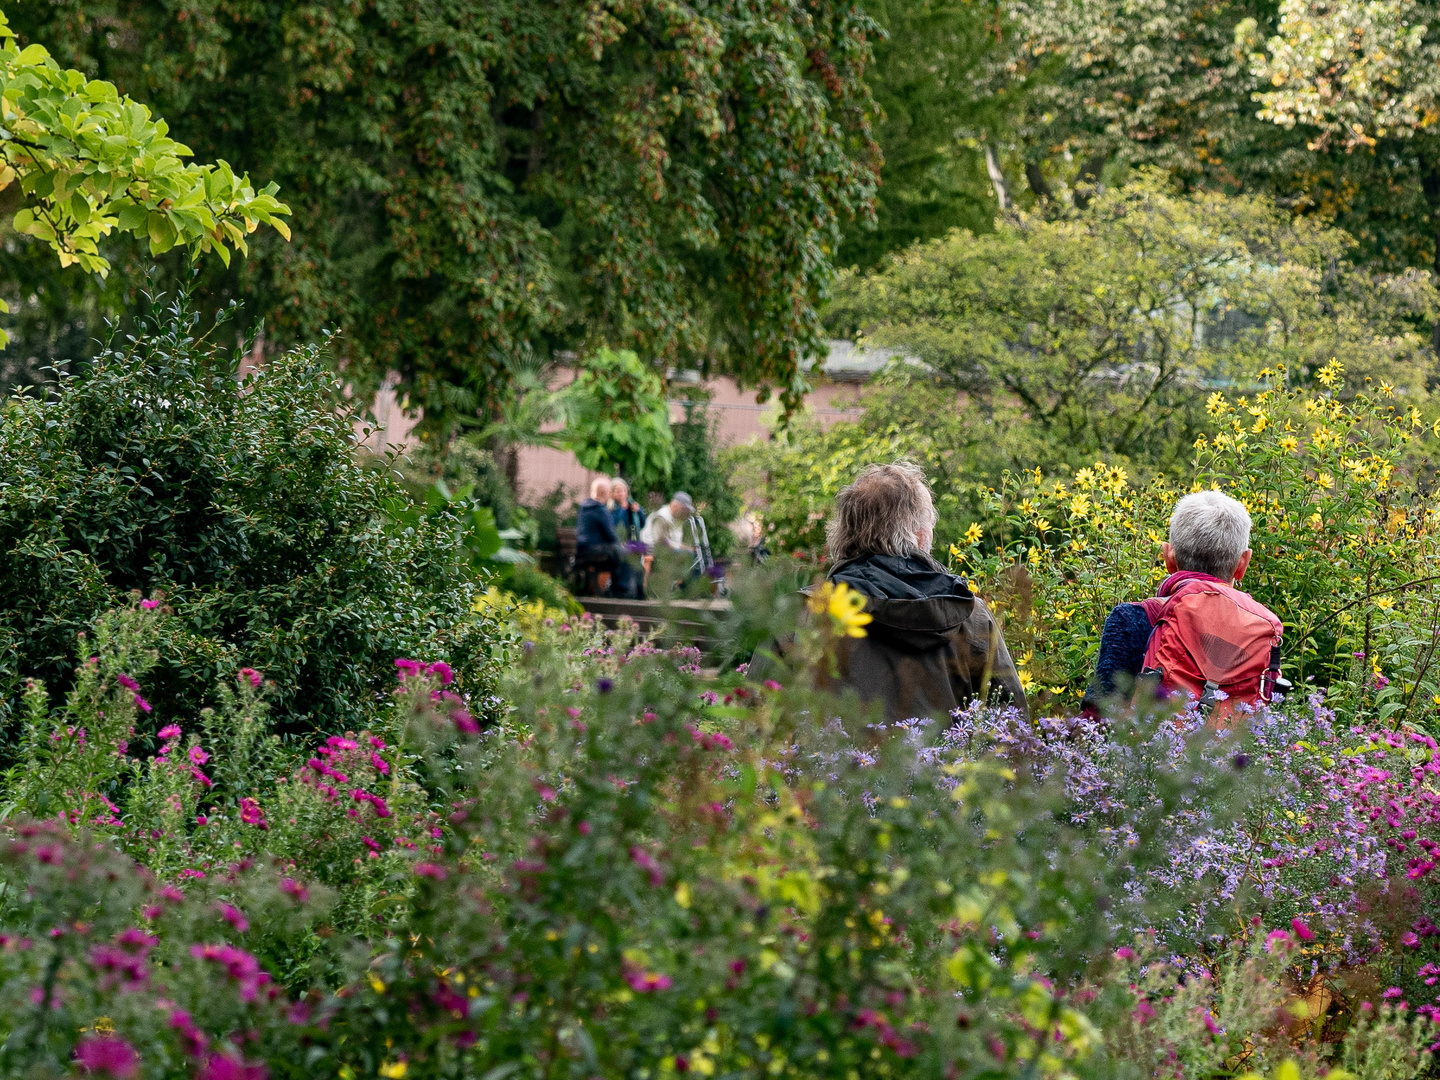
{"points": [[932, 644]]}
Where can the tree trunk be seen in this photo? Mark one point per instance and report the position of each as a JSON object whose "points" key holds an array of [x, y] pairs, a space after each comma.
{"points": [[1087, 180], [997, 177], [1035, 177]]}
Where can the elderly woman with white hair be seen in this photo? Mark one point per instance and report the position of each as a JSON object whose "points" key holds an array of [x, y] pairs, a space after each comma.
{"points": [[932, 645]]}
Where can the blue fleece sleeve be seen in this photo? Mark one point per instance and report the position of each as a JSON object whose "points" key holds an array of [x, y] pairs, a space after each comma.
{"points": [[1122, 649]]}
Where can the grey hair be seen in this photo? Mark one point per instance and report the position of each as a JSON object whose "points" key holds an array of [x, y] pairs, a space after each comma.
{"points": [[881, 513], [621, 482], [1209, 531], [595, 484]]}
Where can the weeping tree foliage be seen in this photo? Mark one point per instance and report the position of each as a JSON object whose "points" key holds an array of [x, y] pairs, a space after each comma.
{"points": [[476, 182]]}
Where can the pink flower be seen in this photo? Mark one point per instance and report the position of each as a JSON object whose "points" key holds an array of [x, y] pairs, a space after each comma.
{"points": [[225, 1067], [171, 893], [238, 964], [249, 674], [771, 684], [293, 889], [149, 605], [431, 870], [1144, 1012], [643, 982], [142, 704], [1302, 932], [1124, 953], [379, 764], [443, 670], [1278, 939], [235, 917], [1411, 939], [127, 682], [198, 756], [201, 819], [646, 862], [169, 731], [192, 1039], [107, 1055], [407, 668], [251, 813]]}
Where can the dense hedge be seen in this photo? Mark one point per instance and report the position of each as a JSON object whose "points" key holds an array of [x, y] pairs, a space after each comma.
{"points": [[155, 467]]}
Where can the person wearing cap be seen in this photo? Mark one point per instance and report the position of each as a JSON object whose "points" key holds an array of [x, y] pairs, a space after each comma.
{"points": [[665, 527]]}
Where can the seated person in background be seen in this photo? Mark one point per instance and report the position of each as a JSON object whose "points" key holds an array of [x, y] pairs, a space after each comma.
{"points": [[627, 515], [595, 542], [932, 646], [666, 525], [1200, 634]]}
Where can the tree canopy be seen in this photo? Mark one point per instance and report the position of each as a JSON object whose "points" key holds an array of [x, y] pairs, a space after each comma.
{"points": [[1109, 329], [474, 182]]}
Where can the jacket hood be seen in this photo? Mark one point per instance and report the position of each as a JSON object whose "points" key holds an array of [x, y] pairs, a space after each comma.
{"points": [[913, 601]]}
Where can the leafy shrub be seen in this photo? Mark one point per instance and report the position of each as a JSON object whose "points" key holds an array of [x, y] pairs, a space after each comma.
{"points": [[617, 419], [155, 467], [963, 447]]}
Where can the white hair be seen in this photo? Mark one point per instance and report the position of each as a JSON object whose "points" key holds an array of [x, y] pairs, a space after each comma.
{"points": [[1209, 531], [881, 513], [597, 484], [619, 481]]}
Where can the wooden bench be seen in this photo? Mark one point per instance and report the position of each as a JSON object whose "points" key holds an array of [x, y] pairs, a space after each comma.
{"points": [[685, 617]]}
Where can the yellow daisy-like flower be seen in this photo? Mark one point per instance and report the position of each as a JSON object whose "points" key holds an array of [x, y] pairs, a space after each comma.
{"points": [[1215, 404], [1042, 524], [1387, 389], [844, 605], [1324, 480], [1289, 444], [1384, 603], [973, 534], [1080, 505], [1084, 478], [394, 1070]]}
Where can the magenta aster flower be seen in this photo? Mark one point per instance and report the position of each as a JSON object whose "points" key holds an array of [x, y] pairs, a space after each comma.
{"points": [[107, 1055]]}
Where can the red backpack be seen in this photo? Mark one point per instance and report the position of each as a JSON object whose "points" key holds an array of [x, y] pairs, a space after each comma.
{"points": [[1208, 636]]}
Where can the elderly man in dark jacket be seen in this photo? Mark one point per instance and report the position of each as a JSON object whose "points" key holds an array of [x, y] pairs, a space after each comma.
{"points": [[932, 645]]}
